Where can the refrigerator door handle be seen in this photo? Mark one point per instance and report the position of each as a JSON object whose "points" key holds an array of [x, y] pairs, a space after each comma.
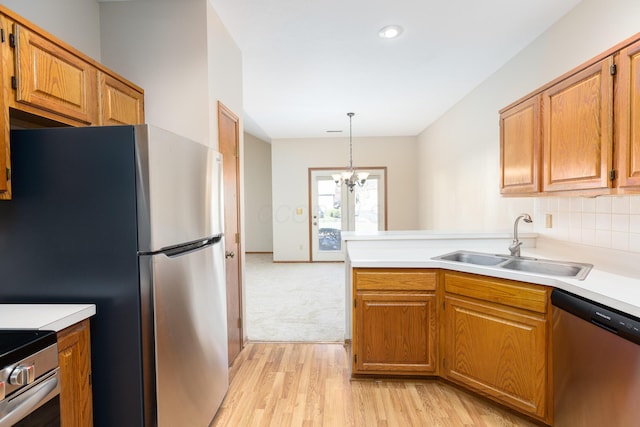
{"points": [[185, 248]]}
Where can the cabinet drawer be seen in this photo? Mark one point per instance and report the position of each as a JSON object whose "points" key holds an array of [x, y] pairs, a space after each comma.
{"points": [[394, 279], [506, 292]]}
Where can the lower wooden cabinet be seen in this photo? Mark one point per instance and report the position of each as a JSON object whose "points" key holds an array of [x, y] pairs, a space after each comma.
{"points": [[74, 358], [497, 352], [395, 329], [489, 335], [496, 347]]}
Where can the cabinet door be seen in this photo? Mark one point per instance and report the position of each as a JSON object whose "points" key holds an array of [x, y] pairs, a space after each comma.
{"points": [[395, 332], [628, 117], [520, 148], [54, 79], [498, 352], [578, 130], [5, 73], [119, 104], [74, 357]]}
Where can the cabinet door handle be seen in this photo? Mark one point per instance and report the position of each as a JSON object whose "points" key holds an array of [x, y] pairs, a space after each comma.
{"points": [[230, 254]]}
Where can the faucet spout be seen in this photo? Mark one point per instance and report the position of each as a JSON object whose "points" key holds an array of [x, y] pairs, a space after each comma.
{"points": [[514, 249]]}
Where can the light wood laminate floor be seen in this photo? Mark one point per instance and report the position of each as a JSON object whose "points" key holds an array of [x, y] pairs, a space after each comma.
{"points": [[308, 384]]}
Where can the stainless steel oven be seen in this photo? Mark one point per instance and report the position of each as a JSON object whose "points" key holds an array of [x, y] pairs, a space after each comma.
{"points": [[29, 379]]}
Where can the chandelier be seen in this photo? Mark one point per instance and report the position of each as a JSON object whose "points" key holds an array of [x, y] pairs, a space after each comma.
{"points": [[350, 177]]}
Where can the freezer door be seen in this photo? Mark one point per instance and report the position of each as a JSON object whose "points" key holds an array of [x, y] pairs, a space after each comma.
{"points": [[179, 189], [191, 336]]}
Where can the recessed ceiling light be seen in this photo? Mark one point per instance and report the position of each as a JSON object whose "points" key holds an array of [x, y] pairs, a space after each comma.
{"points": [[390, 32]]}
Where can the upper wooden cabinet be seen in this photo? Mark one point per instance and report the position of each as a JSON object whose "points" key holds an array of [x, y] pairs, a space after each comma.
{"points": [[589, 129], [51, 78], [47, 82], [520, 148], [4, 115], [578, 130], [628, 117], [119, 104]]}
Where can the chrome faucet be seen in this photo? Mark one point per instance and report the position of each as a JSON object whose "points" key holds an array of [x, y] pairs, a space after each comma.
{"points": [[515, 245]]}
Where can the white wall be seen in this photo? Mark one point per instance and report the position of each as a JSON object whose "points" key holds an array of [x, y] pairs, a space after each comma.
{"points": [[291, 160], [76, 22], [257, 196], [224, 68], [161, 46], [459, 154]]}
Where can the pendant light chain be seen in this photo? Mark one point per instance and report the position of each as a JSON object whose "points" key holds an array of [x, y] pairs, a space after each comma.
{"points": [[350, 178], [350, 141]]}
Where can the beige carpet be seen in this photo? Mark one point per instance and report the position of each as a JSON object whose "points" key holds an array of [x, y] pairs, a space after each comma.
{"points": [[293, 301]]}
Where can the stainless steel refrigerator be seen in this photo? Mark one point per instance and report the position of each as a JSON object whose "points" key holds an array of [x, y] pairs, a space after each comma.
{"points": [[128, 218]]}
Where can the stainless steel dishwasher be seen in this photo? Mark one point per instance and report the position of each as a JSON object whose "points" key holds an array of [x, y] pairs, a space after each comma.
{"points": [[596, 364]]}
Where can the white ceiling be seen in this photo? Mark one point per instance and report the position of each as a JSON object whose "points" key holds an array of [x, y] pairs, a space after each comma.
{"points": [[309, 62]]}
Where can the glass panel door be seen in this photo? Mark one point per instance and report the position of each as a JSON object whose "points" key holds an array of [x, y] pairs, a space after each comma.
{"points": [[328, 219], [368, 215], [335, 209]]}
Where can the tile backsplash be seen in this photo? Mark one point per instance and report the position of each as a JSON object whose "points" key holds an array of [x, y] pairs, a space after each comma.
{"points": [[607, 221]]}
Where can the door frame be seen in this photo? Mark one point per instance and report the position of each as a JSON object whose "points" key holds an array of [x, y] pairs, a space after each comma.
{"points": [[223, 110], [310, 172]]}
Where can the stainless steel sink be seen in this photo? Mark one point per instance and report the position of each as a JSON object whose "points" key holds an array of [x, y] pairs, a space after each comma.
{"points": [[574, 270], [549, 268], [473, 258]]}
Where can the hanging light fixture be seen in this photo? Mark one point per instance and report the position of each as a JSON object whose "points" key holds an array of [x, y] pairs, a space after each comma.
{"points": [[350, 177]]}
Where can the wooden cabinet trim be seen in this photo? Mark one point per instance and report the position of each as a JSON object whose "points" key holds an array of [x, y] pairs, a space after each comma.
{"points": [[500, 291]]}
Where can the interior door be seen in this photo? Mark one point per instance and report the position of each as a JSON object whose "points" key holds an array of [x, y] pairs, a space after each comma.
{"points": [[335, 209], [228, 139]]}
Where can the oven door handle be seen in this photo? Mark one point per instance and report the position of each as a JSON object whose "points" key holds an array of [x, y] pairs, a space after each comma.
{"points": [[20, 406]]}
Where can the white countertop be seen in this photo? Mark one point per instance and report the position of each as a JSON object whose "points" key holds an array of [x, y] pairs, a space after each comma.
{"points": [[613, 281], [50, 317], [430, 235]]}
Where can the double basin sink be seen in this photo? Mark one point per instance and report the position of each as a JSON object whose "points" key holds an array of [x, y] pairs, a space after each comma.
{"points": [[572, 270]]}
